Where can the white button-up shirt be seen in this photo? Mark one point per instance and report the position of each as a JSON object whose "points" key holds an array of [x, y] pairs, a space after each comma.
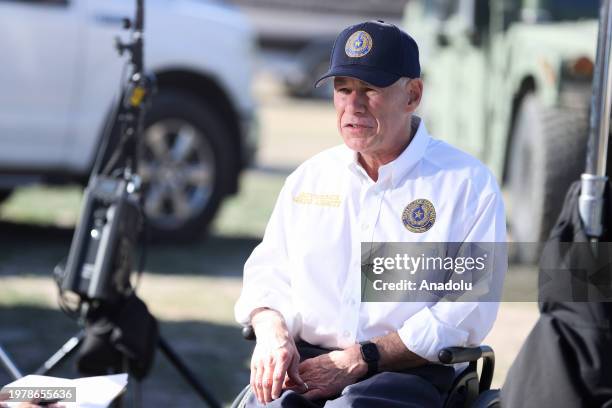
{"points": [[308, 266]]}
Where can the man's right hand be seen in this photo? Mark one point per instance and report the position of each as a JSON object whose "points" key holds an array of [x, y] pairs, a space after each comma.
{"points": [[275, 356]]}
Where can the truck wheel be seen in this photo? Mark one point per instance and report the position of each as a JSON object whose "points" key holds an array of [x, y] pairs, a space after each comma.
{"points": [[186, 164], [547, 154]]}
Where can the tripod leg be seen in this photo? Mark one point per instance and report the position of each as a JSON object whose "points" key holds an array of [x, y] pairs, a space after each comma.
{"points": [[187, 374], [122, 367], [9, 365], [136, 393], [62, 354]]}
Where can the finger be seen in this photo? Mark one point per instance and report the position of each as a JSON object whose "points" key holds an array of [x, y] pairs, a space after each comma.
{"points": [[278, 376], [253, 375], [314, 394], [252, 378], [294, 374], [300, 389], [267, 381], [290, 384], [258, 382]]}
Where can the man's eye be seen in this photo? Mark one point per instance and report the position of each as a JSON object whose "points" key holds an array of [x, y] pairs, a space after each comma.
{"points": [[343, 90]]}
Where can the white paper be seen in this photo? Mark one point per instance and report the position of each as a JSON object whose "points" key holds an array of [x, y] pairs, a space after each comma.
{"points": [[91, 392]]}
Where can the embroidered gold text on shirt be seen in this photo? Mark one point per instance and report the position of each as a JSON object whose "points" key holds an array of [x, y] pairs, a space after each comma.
{"points": [[324, 200]]}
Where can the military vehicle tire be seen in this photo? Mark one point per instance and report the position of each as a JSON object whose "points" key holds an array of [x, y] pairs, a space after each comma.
{"points": [[547, 153]]}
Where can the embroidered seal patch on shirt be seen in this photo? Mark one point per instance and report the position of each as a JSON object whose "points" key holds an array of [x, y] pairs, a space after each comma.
{"points": [[419, 215], [358, 44]]}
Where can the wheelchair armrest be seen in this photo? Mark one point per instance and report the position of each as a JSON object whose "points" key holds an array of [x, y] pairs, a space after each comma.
{"points": [[454, 355], [248, 333]]}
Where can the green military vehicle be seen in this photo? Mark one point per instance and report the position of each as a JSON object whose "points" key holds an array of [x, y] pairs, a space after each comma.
{"points": [[509, 81]]}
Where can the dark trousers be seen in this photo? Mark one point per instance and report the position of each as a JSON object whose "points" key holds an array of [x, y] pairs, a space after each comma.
{"points": [[422, 386]]}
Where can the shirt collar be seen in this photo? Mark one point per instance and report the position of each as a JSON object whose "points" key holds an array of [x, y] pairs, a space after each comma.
{"points": [[397, 169]]}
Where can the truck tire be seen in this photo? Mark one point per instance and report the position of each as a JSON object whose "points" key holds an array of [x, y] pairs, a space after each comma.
{"points": [[186, 162], [547, 154]]}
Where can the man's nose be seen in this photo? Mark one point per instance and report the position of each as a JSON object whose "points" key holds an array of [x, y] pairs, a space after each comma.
{"points": [[355, 102]]}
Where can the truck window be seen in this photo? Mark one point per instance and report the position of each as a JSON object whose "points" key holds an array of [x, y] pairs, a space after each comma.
{"points": [[441, 10], [564, 10]]}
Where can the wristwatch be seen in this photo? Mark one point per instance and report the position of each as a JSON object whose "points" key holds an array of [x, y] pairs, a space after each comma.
{"points": [[371, 356]]}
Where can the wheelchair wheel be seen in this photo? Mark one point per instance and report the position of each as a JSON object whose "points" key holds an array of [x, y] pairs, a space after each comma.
{"points": [[488, 399], [240, 400]]}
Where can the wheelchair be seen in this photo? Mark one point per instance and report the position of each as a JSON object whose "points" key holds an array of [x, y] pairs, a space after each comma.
{"points": [[469, 390]]}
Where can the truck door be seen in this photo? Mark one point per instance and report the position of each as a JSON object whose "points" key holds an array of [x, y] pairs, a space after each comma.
{"points": [[467, 76], [103, 68], [38, 76]]}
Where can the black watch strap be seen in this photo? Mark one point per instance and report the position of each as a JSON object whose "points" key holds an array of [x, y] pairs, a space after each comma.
{"points": [[370, 354]]}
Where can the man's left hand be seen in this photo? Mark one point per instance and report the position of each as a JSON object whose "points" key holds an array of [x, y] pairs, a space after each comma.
{"points": [[328, 374]]}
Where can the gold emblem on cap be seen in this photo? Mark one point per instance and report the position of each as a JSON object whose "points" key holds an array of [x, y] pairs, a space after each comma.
{"points": [[419, 216], [358, 44]]}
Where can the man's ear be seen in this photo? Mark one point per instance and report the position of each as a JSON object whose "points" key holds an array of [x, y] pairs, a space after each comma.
{"points": [[415, 92]]}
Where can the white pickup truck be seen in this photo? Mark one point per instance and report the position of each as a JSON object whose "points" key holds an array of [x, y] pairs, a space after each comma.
{"points": [[60, 75]]}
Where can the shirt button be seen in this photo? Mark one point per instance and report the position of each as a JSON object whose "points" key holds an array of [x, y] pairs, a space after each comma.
{"points": [[351, 302], [346, 333], [365, 226]]}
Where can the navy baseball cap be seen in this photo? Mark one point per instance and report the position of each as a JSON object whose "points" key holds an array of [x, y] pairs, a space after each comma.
{"points": [[376, 52]]}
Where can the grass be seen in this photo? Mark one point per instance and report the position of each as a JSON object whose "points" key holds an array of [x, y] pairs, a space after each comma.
{"points": [[245, 214], [43, 205]]}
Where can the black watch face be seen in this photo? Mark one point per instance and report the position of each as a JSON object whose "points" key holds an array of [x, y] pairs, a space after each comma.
{"points": [[370, 352]]}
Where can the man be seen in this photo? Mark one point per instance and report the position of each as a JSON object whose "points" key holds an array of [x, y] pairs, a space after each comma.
{"points": [[389, 182]]}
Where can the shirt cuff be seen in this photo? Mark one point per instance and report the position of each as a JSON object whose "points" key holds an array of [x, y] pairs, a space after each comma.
{"points": [[425, 335], [271, 300]]}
